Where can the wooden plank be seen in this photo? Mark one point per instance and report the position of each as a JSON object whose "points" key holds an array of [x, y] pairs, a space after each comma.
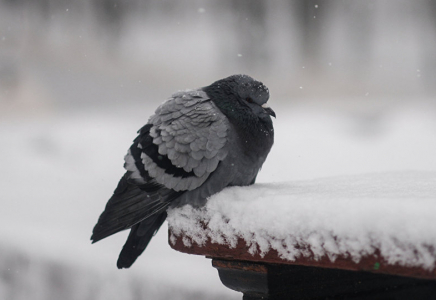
{"points": [[372, 263]]}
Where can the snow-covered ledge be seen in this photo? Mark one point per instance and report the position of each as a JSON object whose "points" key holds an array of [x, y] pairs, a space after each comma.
{"points": [[384, 222]]}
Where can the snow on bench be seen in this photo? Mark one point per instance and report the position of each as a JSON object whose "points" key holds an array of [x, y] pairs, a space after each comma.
{"points": [[378, 222]]}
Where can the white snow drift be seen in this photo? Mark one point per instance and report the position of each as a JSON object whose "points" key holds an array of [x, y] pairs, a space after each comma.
{"points": [[350, 216]]}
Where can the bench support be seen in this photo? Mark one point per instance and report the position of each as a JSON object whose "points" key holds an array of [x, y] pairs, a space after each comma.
{"points": [[278, 282]]}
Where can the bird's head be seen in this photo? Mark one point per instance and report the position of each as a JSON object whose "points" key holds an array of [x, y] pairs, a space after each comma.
{"points": [[245, 90]]}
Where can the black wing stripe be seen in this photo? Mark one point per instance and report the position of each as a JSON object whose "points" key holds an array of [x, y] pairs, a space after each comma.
{"points": [[151, 150]]}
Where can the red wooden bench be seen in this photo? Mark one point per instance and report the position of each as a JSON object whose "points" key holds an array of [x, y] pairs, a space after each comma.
{"points": [[400, 267]]}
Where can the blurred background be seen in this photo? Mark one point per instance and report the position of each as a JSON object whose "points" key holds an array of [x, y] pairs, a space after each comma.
{"points": [[353, 84]]}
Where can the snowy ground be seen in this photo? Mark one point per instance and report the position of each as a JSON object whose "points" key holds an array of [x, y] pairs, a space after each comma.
{"points": [[58, 171]]}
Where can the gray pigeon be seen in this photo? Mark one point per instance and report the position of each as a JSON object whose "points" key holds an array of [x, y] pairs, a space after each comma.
{"points": [[196, 144]]}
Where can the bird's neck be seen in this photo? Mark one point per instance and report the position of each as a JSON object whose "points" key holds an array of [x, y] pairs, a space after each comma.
{"points": [[255, 135]]}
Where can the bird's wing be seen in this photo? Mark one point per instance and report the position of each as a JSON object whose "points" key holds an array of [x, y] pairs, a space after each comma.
{"points": [[130, 204], [182, 144]]}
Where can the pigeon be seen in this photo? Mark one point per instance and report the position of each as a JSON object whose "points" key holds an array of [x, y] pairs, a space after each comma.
{"points": [[196, 144]]}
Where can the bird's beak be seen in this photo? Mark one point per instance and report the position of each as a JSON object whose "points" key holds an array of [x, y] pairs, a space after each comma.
{"points": [[268, 110]]}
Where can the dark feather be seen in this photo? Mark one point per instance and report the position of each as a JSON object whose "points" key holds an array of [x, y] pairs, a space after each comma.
{"points": [[138, 239], [130, 204]]}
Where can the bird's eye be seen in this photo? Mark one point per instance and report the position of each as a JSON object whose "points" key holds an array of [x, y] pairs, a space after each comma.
{"points": [[249, 100]]}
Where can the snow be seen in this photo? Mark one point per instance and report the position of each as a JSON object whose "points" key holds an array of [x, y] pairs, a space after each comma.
{"points": [[72, 97], [59, 168], [348, 216]]}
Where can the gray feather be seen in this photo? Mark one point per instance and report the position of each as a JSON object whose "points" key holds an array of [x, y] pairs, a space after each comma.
{"points": [[198, 155], [181, 161], [200, 169], [191, 164], [190, 130], [212, 164], [182, 148]]}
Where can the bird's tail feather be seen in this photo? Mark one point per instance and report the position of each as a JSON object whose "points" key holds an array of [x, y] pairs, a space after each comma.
{"points": [[139, 206], [130, 204], [139, 237]]}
